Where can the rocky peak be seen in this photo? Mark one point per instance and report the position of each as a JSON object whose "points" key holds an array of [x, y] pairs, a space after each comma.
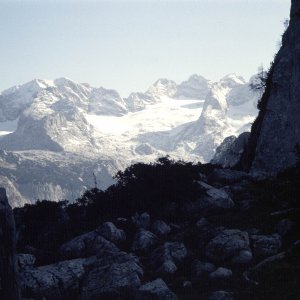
{"points": [[196, 87], [163, 87]]}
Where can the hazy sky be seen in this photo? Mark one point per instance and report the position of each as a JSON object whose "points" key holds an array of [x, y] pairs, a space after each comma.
{"points": [[127, 45]]}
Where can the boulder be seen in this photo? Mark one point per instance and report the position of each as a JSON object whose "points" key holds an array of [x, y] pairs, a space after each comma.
{"points": [[167, 268], [167, 256], [113, 276], [143, 241], [221, 273], [230, 245], [214, 198], [110, 232], [229, 152], [55, 282], [265, 245], [155, 290], [85, 245], [9, 287], [141, 221], [160, 228]]}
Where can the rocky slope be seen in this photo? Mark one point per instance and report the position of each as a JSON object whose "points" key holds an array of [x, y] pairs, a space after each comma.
{"points": [[231, 241]]}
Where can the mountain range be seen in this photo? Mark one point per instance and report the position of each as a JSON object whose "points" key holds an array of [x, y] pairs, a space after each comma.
{"points": [[59, 137]]}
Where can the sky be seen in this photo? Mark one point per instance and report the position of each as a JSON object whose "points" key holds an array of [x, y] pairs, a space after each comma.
{"points": [[128, 44]]}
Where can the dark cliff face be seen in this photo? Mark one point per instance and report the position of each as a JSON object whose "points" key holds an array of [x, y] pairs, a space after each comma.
{"points": [[276, 131], [8, 275]]}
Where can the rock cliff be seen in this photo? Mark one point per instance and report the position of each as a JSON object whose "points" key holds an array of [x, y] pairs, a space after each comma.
{"points": [[8, 275], [276, 131]]}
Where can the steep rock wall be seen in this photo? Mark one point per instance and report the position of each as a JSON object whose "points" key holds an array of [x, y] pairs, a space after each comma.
{"points": [[276, 131]]}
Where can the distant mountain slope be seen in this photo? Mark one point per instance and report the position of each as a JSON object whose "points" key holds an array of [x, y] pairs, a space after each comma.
{"points": [[58, 128]]}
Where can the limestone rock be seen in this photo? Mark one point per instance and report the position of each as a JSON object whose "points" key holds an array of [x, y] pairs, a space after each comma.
{"points": [[167, 256], [9, 288], [230, 245], [143, 240], [110, 232], [155, 290], [160, 227], [275, 132], [229, 152], [85, 245], [55, 282], [112, 276], [214, 198]]}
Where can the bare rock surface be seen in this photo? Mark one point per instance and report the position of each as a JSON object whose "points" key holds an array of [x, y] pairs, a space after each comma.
{"points": [[9, 288]]}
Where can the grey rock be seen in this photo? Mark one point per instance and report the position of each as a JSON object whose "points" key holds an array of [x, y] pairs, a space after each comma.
{"points": [[230, 150], [155, 290], [57, 281], [221, 273], [141, 221], [110, 232], [200, 268], [85, 245], [275, 132], [167, 268], [265, 245], [25, 260], [215, 198], [159, 227], [112, 276], [221, 295], [165, 257], [143, 240], [8, 263], [230, 245]]}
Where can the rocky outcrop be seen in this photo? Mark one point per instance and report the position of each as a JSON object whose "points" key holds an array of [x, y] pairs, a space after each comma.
{"points": [[113, 276], [9, 288], [55, 282], [110, 232], [275, 133], [85, 245], [230, 151], [214, 198]]}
